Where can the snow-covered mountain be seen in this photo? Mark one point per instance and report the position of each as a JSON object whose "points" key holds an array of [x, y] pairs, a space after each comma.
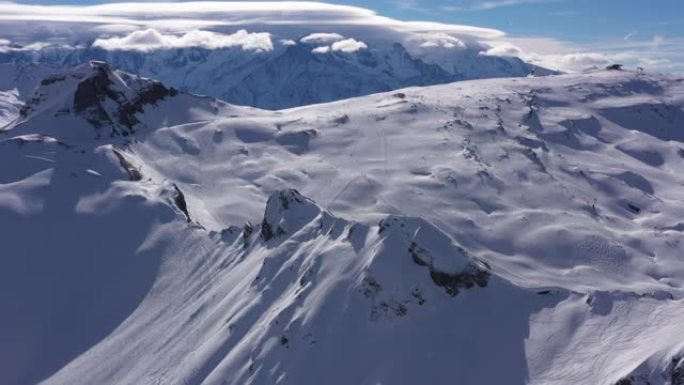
{"points": [[9, 107], [291, 74], [504, 231]]}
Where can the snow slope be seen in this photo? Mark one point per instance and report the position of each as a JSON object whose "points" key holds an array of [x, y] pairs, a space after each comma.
{"points": [[9, 107], [517, 231]]}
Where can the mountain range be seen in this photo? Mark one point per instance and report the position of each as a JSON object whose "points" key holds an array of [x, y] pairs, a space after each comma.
{"points": [[291, 74]]}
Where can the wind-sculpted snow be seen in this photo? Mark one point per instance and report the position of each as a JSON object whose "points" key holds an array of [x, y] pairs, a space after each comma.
{"points": [[513, 231]]}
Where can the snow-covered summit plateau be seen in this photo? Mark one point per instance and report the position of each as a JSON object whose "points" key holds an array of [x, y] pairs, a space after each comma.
{"points": [[503, 231]]}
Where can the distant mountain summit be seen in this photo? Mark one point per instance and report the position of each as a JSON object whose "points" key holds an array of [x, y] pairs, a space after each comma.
{"points": [[301, 76], [293, 74]]}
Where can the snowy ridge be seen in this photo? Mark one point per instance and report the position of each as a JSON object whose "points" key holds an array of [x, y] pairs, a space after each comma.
{"points": [[534, 223]]}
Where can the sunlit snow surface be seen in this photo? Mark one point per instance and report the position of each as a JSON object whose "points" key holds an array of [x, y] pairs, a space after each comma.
{"points": [[563, 195]]}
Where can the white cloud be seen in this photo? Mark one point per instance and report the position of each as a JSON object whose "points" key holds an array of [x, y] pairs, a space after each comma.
{"points": [[504, 49], [219, 16], [115, 28], [507, 3], [556, 54], [435, 40], [654, 54], [147, 26], [321, 50], [150, 39], [321, 38], [340, 43], [572, 62], [7, 46], [348, 45], [441, 48]]}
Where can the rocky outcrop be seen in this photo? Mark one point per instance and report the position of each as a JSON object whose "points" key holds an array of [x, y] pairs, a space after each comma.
{"points": [[106, 98], [449, 266], [286, 212], [179, 201]]}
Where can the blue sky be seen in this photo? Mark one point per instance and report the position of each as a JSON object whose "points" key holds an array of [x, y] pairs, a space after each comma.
{"points": [[581, 21], [649, 26], [652, 27]]}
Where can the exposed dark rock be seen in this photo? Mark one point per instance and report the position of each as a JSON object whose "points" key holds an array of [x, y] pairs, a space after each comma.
{"points": [[247, 234], [388, 309], [29, 105], [96, 89], [285, 200], [98, 99], [133, 173], [677, 371], [342, 119], [413, 250], [286, 212], [389, 222], [534, 158], [633, 208], [452, 283], [400, 309], [148, 96], [179, 200], [371, 287], [266, 230], [91, 92], [306, 277], [634, 379], [418, 295], [52, 79]]}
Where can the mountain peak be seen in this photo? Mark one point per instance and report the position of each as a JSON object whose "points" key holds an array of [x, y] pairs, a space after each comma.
{"points": [[287, 211], [106, 98], [450, 266]]}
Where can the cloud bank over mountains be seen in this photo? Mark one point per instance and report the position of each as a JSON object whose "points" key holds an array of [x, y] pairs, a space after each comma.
{"points": [[185, 16], [260, 26], [151, 39]]}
